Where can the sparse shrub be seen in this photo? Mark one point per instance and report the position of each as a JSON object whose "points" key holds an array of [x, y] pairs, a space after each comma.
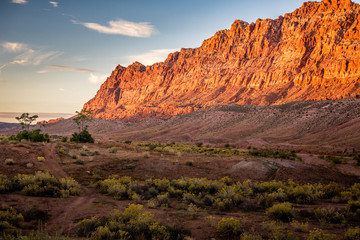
{"points": [[278, 233], [357, 159], [113, 150], [229, 227], [283, 212], [64, 139], [128, 142], [41, 159], [334, 159], [9, 220], [352, 234], [189, 163], [102, 233], [227, 145], [9, 161], [329, 215], [299, 226], [199, 144], [248, 236], [353, 206], [318, 234], [211, 221]]}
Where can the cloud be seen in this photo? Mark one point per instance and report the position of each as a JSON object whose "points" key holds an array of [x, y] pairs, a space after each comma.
{"points": [[14, 46], [152, 56], [34, 57], [122, 27], [55, 4], [65, 69], [95, 79], [19, 1], [61, 89]]}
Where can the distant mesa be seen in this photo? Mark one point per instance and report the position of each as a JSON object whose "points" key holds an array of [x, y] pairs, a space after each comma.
{"points": [[50, 121], [309, 54]]}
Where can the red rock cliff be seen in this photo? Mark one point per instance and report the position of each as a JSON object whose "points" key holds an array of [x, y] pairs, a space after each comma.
{"points": [[310, 54]]}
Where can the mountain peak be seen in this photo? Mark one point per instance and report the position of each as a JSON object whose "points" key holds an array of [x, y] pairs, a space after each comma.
{"points": [[310, 54]]}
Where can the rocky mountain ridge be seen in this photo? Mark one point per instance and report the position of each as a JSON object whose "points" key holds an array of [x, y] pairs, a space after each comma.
{"points": [[309, 54]]}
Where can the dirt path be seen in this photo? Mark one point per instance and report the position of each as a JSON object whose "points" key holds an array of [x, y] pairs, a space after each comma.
{"points": [[51, 162], [62, 218]]}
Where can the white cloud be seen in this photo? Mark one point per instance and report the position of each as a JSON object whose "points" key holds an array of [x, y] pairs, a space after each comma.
{"points": [[61, 89], [95, 79], [19, 1], [34, 57], [14, 46], [122, 27], [55, 4], [153, 56], [65, 69]]}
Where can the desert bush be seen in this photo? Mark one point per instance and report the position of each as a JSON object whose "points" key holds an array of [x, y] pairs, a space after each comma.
{"points": [[299, 226], [303, 194], [328, 215], [41, 159], [64, 139], [334, 159], [82, 137], [199, 144], [211, 221], [128, 142], [133, 223], [268, 153], [189, 163], [40, 184], [353, 206], [318, 234], [113, 150], [278, 233], [283, 212], [248, 236], [352, 234], [229, 227], [9, 220]]}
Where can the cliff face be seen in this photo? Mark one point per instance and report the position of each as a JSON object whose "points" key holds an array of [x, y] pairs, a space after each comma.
{"points": [[310, 54]]}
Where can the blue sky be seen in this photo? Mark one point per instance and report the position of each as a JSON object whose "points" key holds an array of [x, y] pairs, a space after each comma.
{"points": [[54, 55]]}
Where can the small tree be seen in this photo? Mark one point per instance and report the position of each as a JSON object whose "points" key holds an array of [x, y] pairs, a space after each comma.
{"points": [[80, 120], [25, 120], [82, 117]]}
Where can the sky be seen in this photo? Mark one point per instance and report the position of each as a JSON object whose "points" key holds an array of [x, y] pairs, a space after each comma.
{"points": [[54, 55]]}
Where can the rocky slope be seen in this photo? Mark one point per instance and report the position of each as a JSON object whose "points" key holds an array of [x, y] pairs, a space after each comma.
{"points": [[310, 54]]}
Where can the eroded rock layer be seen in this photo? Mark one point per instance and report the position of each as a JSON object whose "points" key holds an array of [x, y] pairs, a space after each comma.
{"points": [[310, 54]]}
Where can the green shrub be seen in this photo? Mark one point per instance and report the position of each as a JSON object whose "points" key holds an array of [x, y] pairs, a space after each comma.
{"points": [[352, 234], [83, 137], [64, 139], [229, 227], [278, 233], [128, 142], [299, 226], [199, 144], [357, 159], [283, 212], [268, 153], [318, 234], [33, 136]]}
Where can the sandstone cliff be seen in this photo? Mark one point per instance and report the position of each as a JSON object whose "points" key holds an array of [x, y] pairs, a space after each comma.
{"points": [[310, 54]]}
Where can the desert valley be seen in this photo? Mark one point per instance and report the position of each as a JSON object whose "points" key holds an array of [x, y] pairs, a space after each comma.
{"points": [[253, 135]]}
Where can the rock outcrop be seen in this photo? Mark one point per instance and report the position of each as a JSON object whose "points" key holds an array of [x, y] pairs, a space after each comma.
{"points": [[310, 54]]}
